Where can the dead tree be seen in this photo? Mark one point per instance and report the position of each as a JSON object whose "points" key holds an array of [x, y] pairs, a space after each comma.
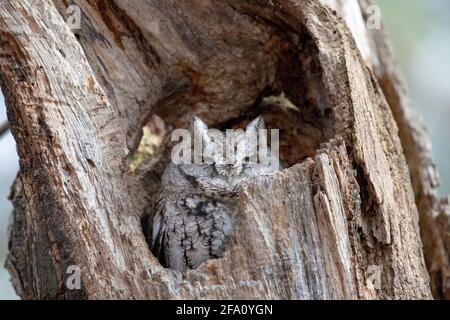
{"points": [[360, 171]]}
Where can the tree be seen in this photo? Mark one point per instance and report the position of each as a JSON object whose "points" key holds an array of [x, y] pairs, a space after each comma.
{"points": [[341, 222]]}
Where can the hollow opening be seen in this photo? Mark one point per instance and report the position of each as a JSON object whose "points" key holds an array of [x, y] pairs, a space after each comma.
{"points": [[295, 103]]}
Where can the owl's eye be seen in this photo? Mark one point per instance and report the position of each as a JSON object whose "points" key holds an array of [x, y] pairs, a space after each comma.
{"points": [[212, 154], [208, 160], [250, 160]]}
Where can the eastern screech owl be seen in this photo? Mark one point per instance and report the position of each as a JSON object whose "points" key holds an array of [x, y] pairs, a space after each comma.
{"points": [[195, 209]]}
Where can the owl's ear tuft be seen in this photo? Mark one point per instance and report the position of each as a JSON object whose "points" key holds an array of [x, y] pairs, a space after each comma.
{"points": [[200, 129], [199, 124], [251, 134], [257, 124]]}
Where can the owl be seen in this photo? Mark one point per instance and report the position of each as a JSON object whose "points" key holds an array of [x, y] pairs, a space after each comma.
{"points": [[196, 207]]}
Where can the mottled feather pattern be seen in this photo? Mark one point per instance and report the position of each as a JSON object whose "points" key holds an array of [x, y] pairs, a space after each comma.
{"points": [[195, 210], [191, 226]]}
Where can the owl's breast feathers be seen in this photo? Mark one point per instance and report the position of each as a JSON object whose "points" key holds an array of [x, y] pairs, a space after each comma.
{"points": [[189, 229]]}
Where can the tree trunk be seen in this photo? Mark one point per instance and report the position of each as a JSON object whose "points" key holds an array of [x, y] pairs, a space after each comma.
{"points": [[342, 222]]}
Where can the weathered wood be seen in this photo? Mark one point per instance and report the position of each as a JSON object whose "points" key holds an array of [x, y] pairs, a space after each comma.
{"points": [[376, 50], [77, 102]]}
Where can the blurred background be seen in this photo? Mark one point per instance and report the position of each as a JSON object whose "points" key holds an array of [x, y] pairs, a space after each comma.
{"points": [[9, 166], [420, 33]]}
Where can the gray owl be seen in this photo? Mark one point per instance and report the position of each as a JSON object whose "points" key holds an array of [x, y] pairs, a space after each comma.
{"points": [[196, 207]]}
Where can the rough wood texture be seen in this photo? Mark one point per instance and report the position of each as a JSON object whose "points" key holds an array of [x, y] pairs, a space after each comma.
{"points": [[377, 53], [77, 103]]}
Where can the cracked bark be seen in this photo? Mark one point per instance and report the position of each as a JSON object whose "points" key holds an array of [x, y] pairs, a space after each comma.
{"points": [[77, 102]]}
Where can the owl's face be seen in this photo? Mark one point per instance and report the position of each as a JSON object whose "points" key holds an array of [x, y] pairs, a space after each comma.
{"points": [[228, 151], [228, 169], [230, 165]]}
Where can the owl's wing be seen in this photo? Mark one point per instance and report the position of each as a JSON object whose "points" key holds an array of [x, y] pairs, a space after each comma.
{"points": [[158, 227]]}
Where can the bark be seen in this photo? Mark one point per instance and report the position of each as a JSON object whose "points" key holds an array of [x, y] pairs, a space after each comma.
{"points": [[424, 176], [77, 102]]}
